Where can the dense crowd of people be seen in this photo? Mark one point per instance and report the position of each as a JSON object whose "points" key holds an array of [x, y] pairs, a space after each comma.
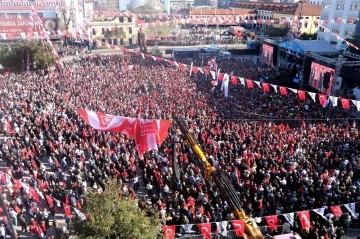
{"points": [[281, 154]]}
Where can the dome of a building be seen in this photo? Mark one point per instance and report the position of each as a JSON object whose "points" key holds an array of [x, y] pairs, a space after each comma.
{"points": [[136, 3]]}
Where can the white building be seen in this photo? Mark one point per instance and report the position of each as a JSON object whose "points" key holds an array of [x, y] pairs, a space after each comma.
{"points": [[181, 4], [339, 20], [318, 2]]}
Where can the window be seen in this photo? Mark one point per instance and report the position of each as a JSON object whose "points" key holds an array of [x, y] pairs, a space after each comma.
{"points": [[130, 41], [353, 7], [305, 25], [349, 34], [129, 19], [130, 30], [306, 17], [317, 17], [103, 40], [340, 7], [335, 31], [121, 19], [326, 6], [121, 41]]}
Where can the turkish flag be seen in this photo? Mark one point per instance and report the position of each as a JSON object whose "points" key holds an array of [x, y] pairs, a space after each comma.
{"points": [[205, 229], [67, 210], [345, 103], [169, 232], [301, 95], [220, 76], [17, 185], [336, 210], [266, 87], [322, 99], [239, 227], [249, 84], [49, 200], [181, 66], [272, 221], [234, 80], [34, 194], [283, 90], [304, 217]]}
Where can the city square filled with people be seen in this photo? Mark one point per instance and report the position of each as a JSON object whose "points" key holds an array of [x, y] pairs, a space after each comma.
{"points": [[282, 154]]}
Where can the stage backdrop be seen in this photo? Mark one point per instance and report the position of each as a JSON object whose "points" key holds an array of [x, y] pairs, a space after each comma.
{"points": [[321, 77], [268, 54]]}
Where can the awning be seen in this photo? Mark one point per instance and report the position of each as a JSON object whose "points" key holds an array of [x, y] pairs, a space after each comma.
{"points": [[315, 46]]}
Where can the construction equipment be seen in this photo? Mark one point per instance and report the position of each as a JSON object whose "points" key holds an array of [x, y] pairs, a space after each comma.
{"points": [[222, 182]]}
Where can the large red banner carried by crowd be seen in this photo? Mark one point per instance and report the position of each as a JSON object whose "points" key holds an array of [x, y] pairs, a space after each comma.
{"points": [[147, 133]]}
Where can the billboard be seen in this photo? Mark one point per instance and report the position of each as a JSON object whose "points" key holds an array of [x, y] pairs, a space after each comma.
{"points": [[16, 25], [321, 77], [267, 54]]}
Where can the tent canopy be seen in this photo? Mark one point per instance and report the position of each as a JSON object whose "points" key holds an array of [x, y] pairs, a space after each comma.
{"points": [[315, 46]]}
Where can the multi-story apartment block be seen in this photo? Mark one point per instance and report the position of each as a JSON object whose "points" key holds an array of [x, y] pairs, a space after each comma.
{"points": [[339, 21]]}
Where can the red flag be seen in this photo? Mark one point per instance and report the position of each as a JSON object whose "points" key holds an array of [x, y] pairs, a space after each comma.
{"points": [[301, 95], [49, 200], [283, 90], [249, 84], [272, 221], [322, 99], [181, 66], [67, 200], [336, 210], [169, 232], [304, 217], [67, 210], [345, 103], [34, 194], [234, 80], [266, 87], [239, 227], [17, 185], [194, 69], [17, 209], [220, 76], [205, 229]]}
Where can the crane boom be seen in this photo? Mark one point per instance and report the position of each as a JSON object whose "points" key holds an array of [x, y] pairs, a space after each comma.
{"points": [[222, 182]]}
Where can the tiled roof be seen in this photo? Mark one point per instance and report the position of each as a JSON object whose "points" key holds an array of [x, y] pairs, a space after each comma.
{"points": [[274, 7], [213, 12], [309, 10]]}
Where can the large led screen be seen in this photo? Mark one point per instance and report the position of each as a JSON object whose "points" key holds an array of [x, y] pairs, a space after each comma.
{"points": [[321, 77], [267, 54]]}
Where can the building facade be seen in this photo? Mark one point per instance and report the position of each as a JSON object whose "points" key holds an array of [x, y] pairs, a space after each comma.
{"points": [[339, 21], [102, 27], [181, 4]]}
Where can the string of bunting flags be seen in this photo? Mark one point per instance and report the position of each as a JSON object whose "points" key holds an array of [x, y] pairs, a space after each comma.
{"points": [[339, 37], [170, 230], [272, 221], [225, 79]]}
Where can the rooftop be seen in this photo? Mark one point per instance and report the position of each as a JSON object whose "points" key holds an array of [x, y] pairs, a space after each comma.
{"points": [[215, 12], [273, 7], [309, 10]]}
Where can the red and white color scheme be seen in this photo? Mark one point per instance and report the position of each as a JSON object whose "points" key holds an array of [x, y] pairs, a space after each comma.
{"points": [[239, 227], [272, 221], [205, 229], [304, 217], [169, 232], [146, 133]]}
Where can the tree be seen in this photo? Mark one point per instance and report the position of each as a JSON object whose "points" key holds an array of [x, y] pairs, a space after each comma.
{"points": [[112, 216], [308, 36], [158, 31], [34, 51], [276, 31], [67, 16]]}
